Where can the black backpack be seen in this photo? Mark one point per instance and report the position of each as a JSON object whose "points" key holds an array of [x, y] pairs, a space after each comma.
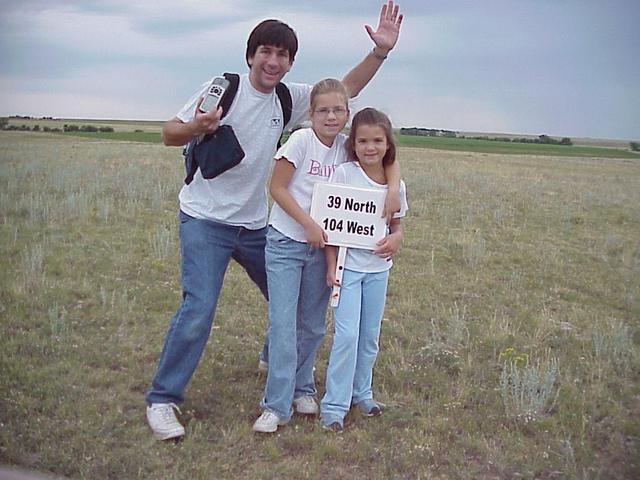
{"points": [[234, 80]]}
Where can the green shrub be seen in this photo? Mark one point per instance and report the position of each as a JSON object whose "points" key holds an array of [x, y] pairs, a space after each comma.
{"points": [[527, 390]]}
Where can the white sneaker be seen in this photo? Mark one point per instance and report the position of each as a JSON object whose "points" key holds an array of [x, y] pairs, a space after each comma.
{"points": [[163, 421], [268, 422], [305, 405], [263, 366]]}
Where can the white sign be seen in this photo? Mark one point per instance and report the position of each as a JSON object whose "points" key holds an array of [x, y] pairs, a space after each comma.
{"points": [[350, 216]]}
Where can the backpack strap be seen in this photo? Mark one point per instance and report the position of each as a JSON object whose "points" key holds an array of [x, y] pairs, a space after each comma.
{"points": [[286, 102], [230, 94], [287, 107]]}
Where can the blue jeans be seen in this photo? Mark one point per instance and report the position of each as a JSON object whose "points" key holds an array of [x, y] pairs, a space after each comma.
{"points": [[298, 297], [357, 320], [206, 248]]}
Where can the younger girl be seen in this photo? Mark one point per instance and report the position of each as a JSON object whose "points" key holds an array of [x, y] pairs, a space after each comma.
{"points": [[358, 316], [295, 262]]}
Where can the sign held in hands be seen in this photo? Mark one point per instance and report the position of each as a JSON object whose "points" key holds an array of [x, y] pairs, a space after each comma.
{"points": [[350, 216]]}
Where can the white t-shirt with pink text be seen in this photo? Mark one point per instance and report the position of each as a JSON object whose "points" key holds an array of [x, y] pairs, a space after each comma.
{"points": [[314, 162]]}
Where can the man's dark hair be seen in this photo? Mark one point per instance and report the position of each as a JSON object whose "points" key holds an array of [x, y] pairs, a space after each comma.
{"points": [[272, 32]]}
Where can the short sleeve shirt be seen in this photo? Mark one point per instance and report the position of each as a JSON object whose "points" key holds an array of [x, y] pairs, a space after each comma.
{"points": [[359, 259], [314, 162]]}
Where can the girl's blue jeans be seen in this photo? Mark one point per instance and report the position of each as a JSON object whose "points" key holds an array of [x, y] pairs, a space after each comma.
{"points": [[298, 297], [357, 320], [206, 248]]}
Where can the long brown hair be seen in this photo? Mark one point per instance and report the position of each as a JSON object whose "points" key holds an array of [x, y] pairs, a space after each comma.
{"points": [[371, 116]]}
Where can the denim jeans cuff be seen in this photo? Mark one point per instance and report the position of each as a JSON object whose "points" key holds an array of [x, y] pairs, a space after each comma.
{"points": [[328, 419], [365, 406]]}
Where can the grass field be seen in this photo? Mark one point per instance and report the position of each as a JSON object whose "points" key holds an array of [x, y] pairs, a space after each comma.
{"points": [[513, 148], [144, 137], [509, 348]]}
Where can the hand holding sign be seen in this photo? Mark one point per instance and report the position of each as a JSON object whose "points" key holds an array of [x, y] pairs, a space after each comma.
{"points": [[315, 236]]}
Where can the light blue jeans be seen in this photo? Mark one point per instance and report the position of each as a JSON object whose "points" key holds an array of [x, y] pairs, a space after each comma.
{"points": [[298, 297], [357, 320], [206, 248]]}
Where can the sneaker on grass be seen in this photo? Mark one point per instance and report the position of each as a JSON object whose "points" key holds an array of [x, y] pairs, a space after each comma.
{"points": [[332, 424], [306, 405], [335, 427], [370, 408], [268, 422], [162, 420]]}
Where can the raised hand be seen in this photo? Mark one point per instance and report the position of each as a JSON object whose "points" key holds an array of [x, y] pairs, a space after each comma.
{"points": [[386, 36]]}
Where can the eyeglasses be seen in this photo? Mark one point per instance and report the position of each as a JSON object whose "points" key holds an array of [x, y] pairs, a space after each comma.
{"points": [[338, 111]]}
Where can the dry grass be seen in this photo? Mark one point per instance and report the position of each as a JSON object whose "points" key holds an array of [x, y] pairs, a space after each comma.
{"points": [[508, 262]]}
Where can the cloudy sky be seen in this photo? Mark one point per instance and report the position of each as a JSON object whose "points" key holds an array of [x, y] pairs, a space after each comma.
{"points": [[560, 67]]}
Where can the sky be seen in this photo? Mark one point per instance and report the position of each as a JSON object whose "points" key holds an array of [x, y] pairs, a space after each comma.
{"points": [[556, 67]]}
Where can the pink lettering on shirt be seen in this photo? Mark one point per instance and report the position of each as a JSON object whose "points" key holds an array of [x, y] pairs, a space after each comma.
{"points": [[319, 170]]}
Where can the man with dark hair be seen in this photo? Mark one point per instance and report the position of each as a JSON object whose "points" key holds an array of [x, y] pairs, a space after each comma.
{"points": [[272, 32], [225, 217]]}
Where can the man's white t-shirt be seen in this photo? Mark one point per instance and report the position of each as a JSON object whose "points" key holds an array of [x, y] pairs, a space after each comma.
{"points": [[360, 259], [239, 196], [314, 162]]}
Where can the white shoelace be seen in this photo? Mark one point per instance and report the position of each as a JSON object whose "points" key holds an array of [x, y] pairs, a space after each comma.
{"points": [[267, 416], [307, 401], [167, 412]]}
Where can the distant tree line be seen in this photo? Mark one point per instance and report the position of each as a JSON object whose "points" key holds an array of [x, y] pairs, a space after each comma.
{"points": [[4, 125], [542, 139], [635, 146], [86, 128], [431, 132], [428, 132], [27, 128], [28, 117]]}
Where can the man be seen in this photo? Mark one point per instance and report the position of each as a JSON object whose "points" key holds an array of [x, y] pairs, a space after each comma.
{"points": [[225, 217]]}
